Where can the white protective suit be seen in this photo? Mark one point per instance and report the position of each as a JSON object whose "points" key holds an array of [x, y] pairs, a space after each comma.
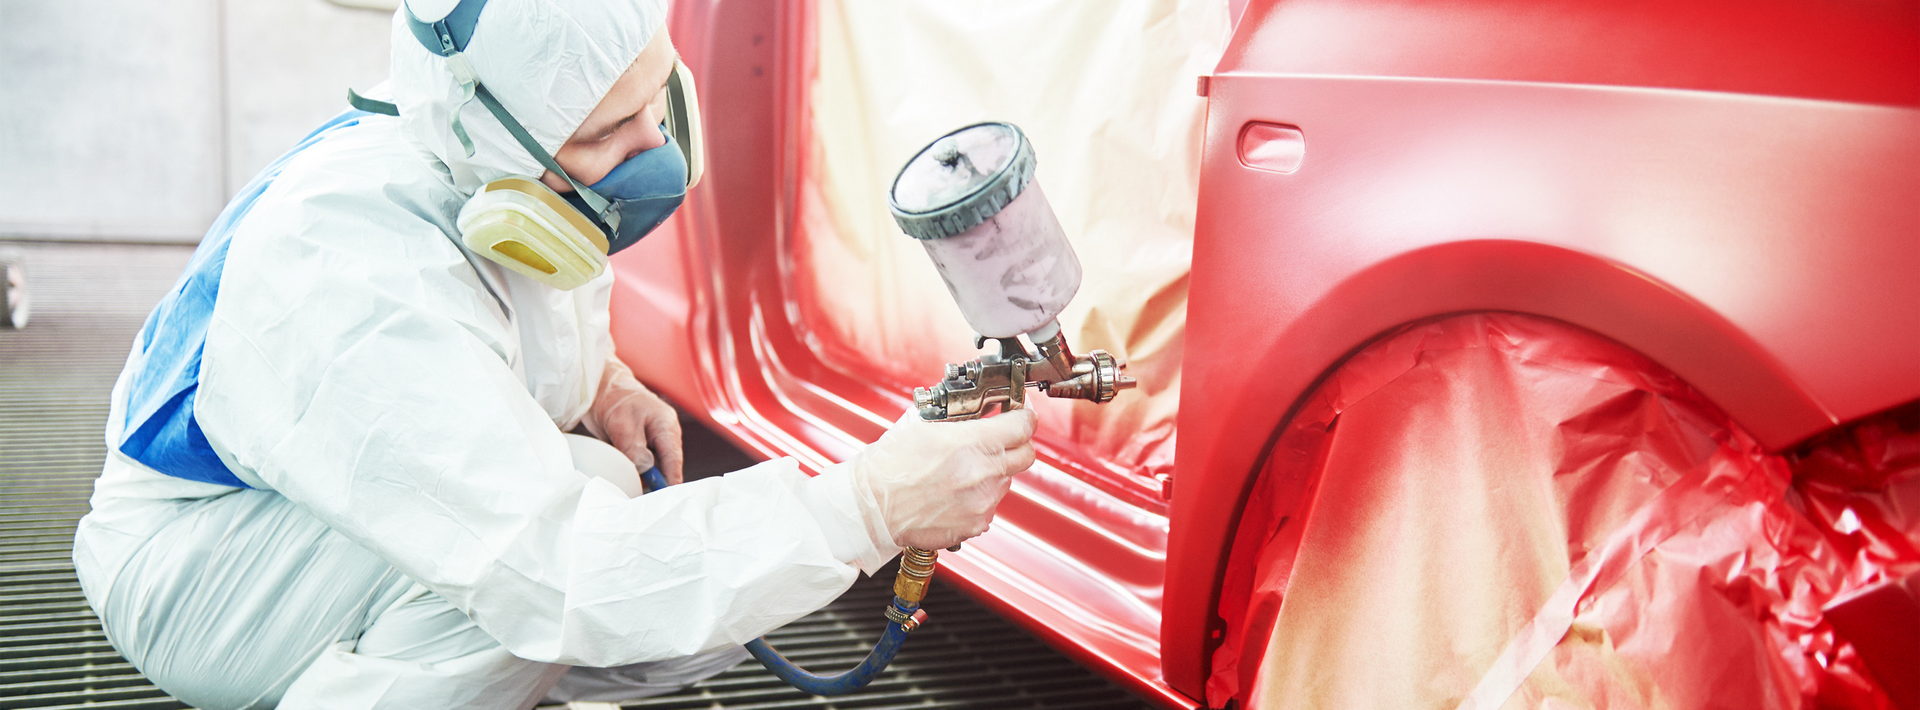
{"points": [[418, 531]]}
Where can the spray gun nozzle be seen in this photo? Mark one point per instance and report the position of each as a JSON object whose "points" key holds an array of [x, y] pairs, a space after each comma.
{"points": [[973, 389]]}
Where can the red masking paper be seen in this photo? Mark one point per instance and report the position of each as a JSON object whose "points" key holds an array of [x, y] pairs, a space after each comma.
{"points": [[1497, 511]]}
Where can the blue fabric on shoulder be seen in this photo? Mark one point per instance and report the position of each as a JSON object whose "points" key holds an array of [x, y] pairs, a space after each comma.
{"points": [[160, 431]]}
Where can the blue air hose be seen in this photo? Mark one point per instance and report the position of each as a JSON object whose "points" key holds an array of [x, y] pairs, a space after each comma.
{"points": [[846, 682], [916, 566]]}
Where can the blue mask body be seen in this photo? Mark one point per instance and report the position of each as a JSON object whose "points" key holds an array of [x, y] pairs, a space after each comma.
{"points": [[641, 193]]}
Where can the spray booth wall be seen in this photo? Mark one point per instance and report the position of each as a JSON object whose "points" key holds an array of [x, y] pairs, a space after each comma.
{"points": [[132, 120]]}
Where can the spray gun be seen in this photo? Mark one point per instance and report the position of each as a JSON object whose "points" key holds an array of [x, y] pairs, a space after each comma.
{"points": [[971, 200]]}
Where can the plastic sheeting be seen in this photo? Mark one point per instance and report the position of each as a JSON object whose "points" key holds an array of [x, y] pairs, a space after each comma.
{"points": [[1106, 93], [1502, 511]]}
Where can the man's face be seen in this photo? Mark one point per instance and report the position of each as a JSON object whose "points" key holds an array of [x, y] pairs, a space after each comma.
{"points": [[624, 123]]}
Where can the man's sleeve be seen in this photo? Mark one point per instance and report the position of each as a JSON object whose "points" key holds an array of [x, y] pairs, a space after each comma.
{"points": [[375, 392]]}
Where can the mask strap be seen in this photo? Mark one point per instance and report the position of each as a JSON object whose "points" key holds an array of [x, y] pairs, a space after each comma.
{"points": [[468, 83], [362, 103], [526, 141], [448, 38]]}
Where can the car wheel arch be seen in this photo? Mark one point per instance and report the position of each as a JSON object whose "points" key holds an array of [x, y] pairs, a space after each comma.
{"points": [[1531, 278]]}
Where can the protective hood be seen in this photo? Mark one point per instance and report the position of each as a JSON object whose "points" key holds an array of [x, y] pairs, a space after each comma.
{"points": [[548, 61]]}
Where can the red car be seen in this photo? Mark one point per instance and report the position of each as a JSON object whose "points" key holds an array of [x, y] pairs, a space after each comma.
{"points": [[1514, 350]]}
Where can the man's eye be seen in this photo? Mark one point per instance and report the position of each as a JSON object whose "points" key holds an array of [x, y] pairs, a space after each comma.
{"points": [[615, 130]]}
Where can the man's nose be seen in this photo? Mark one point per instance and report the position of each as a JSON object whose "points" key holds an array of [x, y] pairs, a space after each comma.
{"points": [[651, 139]]}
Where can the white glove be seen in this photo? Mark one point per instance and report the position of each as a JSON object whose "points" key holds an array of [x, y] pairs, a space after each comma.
{"points": [[637, 422], [934, 484]]}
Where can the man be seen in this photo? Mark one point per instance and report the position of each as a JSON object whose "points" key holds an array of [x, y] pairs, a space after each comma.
{"points": [[337, 473]]}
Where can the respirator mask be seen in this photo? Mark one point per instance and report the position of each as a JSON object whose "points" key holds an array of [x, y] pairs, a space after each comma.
{"points": [[562, 240]]}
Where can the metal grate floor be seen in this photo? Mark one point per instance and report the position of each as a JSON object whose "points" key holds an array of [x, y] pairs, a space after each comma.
{"points": [[90, 299]]}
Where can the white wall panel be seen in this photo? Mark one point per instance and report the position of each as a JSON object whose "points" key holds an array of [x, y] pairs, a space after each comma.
{"points": [[133, 119], [288, 66], [109, 117]]}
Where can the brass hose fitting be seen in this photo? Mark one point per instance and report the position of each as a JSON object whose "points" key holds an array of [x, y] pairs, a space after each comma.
{"points": [[916, 568]]}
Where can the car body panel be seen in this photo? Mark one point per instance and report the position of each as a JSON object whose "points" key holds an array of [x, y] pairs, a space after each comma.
{"points": [[1730, 189], [1567, 160]]}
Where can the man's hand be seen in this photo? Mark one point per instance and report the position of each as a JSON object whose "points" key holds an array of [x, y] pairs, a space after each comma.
{"points": [[637, 422], [934, 484]]}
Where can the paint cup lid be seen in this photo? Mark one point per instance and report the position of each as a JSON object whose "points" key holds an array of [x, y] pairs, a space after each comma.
{"points": [[961, 179]]}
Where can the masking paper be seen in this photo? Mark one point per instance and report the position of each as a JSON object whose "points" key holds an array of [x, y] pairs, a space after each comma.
{"points": [[1509, 512]]}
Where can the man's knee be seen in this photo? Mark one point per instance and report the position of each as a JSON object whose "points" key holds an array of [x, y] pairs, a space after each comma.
{"points": [[421, 652]]}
